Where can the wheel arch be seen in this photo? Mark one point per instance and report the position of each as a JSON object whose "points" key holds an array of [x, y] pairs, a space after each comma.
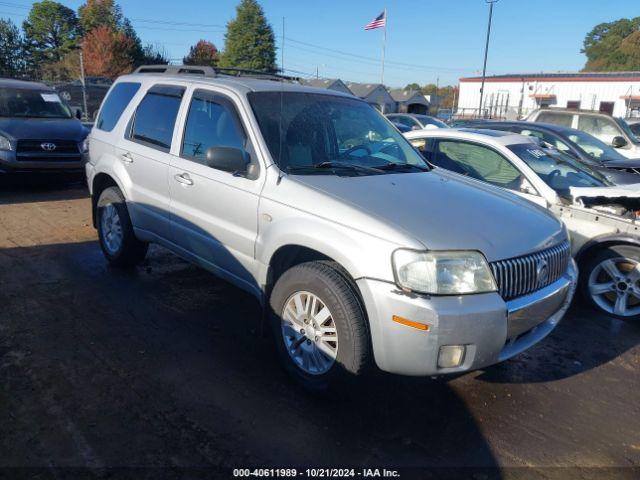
{"points": [[604, 241], [101, 181]]}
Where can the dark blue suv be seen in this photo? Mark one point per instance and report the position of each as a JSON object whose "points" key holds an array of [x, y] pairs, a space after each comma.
{"points": [[38, 131]]}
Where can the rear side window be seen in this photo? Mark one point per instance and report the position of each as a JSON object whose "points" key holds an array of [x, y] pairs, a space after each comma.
{"points": [[115, 103], [563, 119], [155, 117]]}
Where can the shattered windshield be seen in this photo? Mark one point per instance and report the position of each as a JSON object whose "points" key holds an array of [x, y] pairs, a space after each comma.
{"points": [[558, 170], [309, 133]]}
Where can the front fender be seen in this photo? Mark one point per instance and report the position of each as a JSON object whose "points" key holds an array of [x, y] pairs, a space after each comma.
{"points": [[362, 255]]}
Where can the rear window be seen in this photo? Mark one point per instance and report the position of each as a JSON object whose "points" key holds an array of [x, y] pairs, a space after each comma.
{"points": [[564, 119], [115, 103], [156, 115]]}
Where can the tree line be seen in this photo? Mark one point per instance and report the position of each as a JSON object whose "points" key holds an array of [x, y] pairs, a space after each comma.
{"points": [[48, 44]]}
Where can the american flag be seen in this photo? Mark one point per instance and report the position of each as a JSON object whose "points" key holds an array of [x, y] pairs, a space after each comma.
{"points": [[378, 22]]}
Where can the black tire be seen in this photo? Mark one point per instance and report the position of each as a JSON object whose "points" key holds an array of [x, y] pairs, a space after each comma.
{"points": [[131, 251], [587, 269], [337, 293]]}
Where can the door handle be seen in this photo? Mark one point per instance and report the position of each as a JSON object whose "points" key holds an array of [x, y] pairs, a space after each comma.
{"points": [[183, 178], [127, 157]]}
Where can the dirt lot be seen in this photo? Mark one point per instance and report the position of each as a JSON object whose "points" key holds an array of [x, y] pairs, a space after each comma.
{"points": [[163, 371]]}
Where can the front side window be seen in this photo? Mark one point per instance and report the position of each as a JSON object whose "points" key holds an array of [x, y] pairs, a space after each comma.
{"points": [[22, 102], [211, 122], [545, 137], [115, 103], [558, 170], [479, 162], [309, 133], [563, 119], [156, 115]]}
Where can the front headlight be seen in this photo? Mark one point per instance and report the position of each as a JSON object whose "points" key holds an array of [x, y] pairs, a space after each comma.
{"points": [[5, 144], [443, 272]]}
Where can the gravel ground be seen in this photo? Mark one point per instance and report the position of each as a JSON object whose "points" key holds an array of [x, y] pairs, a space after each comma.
{"points": [[163, 373]]}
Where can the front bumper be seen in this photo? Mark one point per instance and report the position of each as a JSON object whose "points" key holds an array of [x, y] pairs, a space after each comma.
{"points": [[491, 329], [9, 163]]}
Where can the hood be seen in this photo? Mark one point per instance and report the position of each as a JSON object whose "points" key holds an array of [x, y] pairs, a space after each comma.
{"points": [[626, 163], [439, 209], [43, 128]]}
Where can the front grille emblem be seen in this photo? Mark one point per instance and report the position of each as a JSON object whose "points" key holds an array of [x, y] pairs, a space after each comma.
{"points": [[48, 146], [542, 272]]}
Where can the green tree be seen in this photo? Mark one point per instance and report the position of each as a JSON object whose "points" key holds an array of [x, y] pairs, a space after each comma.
{"points": [[98, 13], [12, 54], [249, 41], [202, 53], [613, 46], [412, 87], [50, 30], [153, 55]]}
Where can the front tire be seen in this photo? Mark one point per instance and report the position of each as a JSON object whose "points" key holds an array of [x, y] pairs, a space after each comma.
{"points": [[318, 325], [115, 232], [610, 281]]}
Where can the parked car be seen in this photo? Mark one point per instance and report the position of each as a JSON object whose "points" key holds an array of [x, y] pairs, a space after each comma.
{"points": [[634, 126], [311, 201], [401, 127], [38, 131], [95, 87], [415, 121], [611, 130], [584, 147], [602, 218]]}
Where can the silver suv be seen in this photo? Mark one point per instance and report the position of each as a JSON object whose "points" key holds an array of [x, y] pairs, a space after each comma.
{"points": [[313, 202]]}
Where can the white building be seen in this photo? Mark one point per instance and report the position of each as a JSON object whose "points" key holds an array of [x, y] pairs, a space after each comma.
{"points": [[514, 96]]}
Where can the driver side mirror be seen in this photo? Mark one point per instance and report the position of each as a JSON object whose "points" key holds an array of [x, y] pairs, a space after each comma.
{"points": [[228, 159], [618, 142]]}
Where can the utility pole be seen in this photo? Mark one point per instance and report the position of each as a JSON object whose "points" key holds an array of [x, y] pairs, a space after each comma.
{"points": [[282, 49], [85, 113], [384, 46], [486, 51]]}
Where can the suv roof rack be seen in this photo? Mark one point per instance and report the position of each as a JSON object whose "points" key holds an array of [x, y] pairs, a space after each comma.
{"points": [[208, 71]]}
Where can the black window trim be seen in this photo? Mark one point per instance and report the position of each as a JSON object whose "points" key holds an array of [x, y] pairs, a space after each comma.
{"points": [[436, 146], [167, 90], [225, 101]]}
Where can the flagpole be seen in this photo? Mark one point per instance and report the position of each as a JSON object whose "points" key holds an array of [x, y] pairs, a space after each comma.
{"points": [[384, 45]]}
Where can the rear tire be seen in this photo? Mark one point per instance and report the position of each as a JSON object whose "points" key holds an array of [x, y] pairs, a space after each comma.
{"points": [[610, 281], [319, 326], [115, 232]]}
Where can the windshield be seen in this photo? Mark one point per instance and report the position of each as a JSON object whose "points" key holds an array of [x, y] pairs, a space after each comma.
{"points": [[17, 102], [309, 133], [427, 120], [625, 127], [558, 170], [594, 147]]}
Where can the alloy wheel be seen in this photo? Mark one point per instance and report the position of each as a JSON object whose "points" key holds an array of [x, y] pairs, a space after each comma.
{"points": [[614, 285], [111, 228], [309, 333]]}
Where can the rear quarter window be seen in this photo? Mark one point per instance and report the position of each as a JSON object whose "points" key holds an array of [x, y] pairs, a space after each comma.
{"points": [[115, 103]]}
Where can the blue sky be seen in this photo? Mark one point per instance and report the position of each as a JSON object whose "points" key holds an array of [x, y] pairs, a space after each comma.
{"points": [[426, 39]]}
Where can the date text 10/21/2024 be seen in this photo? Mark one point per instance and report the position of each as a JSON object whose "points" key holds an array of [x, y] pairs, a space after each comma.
{"points": [[316, 473]]}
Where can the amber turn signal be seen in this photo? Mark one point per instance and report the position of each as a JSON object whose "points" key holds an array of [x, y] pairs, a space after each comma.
{"points": [[409, 323]]}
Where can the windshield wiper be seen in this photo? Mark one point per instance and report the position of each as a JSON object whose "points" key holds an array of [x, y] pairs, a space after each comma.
{"points": [[402, 166], [348, 166]]}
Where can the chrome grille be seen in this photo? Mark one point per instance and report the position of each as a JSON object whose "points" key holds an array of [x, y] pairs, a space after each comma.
{"points": [[519, 276]]}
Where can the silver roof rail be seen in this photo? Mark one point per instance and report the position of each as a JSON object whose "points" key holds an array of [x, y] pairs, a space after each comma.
{"points": [[207, 71]]}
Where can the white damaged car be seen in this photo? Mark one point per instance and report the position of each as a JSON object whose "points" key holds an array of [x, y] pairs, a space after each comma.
{"points": [[602, 218]]}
